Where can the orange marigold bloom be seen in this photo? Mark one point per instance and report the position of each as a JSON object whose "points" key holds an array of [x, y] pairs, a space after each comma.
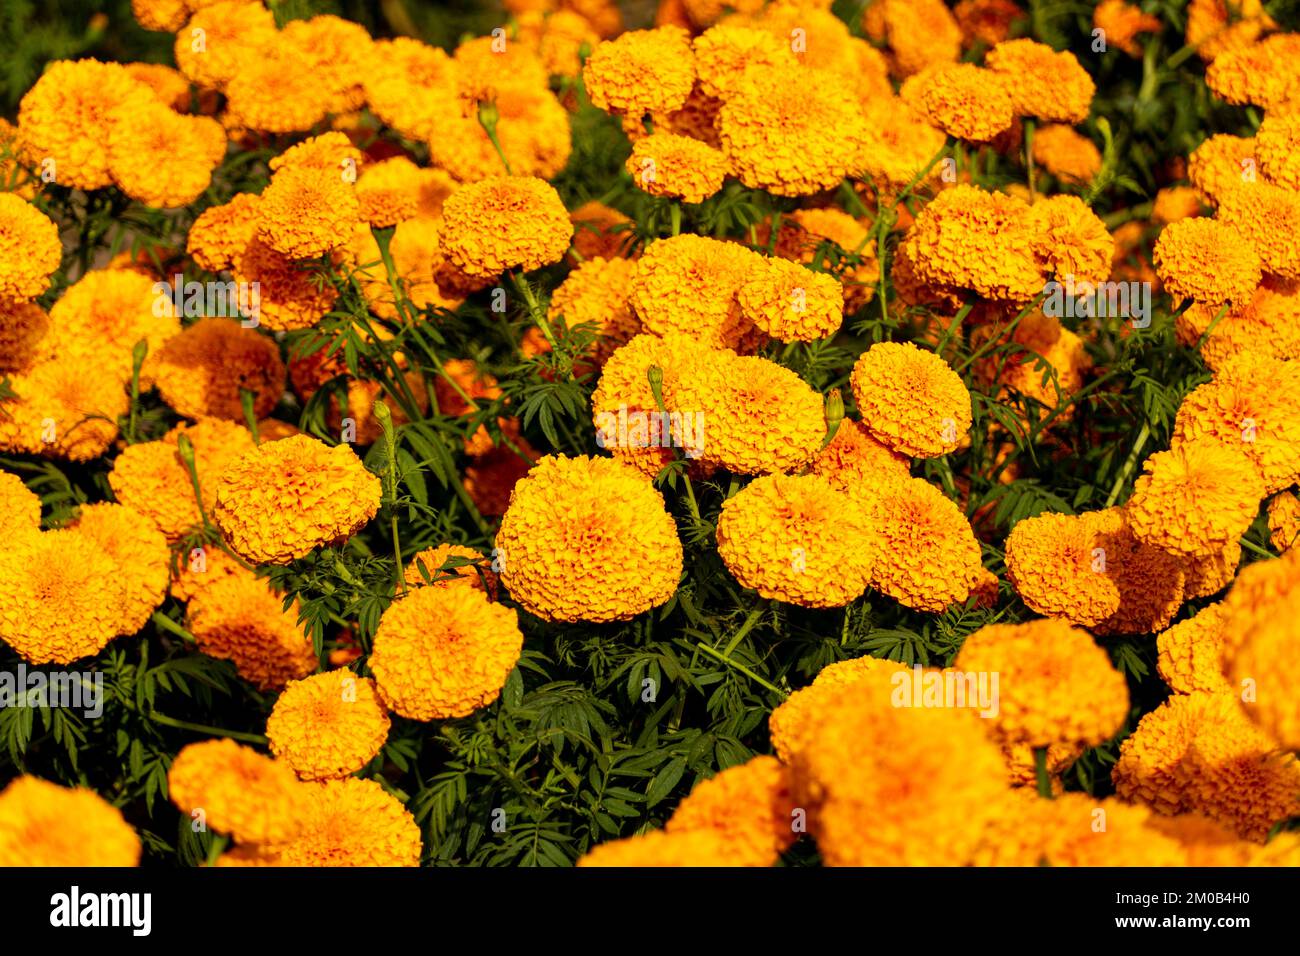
{"points": [[20, 508], [1216, 27], [600, 231], [166, 16], [349, 822], [1206, 260], [1276, 141], [1070, 240], [203, 371], [1066, 153], [597, 294], [339, 52], [725, 55], [964, 100], [1284, 520], [223, 39], [1262, 214], [898, 145], [29, 248], [643, 71], [1174, 203], [394, 190], [911, 400], [1191, 653], [1220, 163], [790, 303], [327, 725], [112, 309], [1055, 567], [235, 789], [666, 164], [919, 33], [1151, 581], [1209, 574], [1259, 73], [62, 411], [1121, 23], [853, 458], [290, 296], [788, 723], [410, 85], [504, 223], [532, 129], [160, 157], [43, 824], [306, 213], [1042, 82], [219, 236], [278, 91], [286, 498], [140, 552], [986, 21], [749, 804], [1268, 325]]}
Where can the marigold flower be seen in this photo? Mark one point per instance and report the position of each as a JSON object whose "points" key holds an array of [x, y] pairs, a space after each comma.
{"points": [[306, 213], [1220, 163], [919, 34], [160, 157], [442, 652], [1256, 598], [1284, 520], [897, 146], [666, 164], [350, 822], [1055, 565], [725, 54], [166, 16], [1191, 653], [1206, 260], [290, 298], [1151, 581], [29, 249], [597, 294], [911, 400], [790, 303], [963, 100], [235, 789], [929, 556], [688, 284], [1259, 73], [24, 327], [642, 71], [795, 538], [200, 567], [588, 539], [657, 848], [1216, 27], [1261, 213], [557, 38], [223, 39], [472, 575], [1070, 240], [286, 498], [504, 223], [112, 310], [394, 190], [20, 508], [1174, 203], [203, 371], [749, 804], [1066, 153], [62, 411], [1057, 686], [1042, 82], [327, 725], [240, 619], [788, 723], [140, 552], [219, 236], [1121, 23], [1041, 338], [339, 52], [43, 824], [410, 85]]}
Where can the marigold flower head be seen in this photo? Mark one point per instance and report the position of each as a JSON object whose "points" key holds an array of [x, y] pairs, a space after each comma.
{"points": [[1216, 27], [442, 652], [558, 38], [201, 566], [328, 152], [306, 213], [929, 556], [166, 16], [159, 157], [1040, 338], [788, 723], [410, 85], [1284, 520], [642, 71], [790, 132], [29, 248], [1122, 23], [790, 303], [1220, 163], [219, 236], [588, 539], [239, 791], [1191, 653], [1056, 685], [911, 400], [658, 848], [725, 54], [203, 371], [919, 33], [20, 508], [795, 538], [223, 39], [460, 574], [286, 498], [1207, 261], [395, 189], [350, 822], [327, 725], [1151, 581], [532, 129], [151, 478], [871, 773], [1053, 563], [1066, 153], [240, 619], [169, 85], [986, 21], [24, 336], [62, 410], [339, 52], [597, 293], [749, 804], [289, 296], [111, 310], [679, 167], [1174, 203], [964, 100], [140, 552], [504, 223], [1260, 213], [43, 824], [279, 91], [1070, 240], [1042, 82], [1259, 74], [853, 459]]}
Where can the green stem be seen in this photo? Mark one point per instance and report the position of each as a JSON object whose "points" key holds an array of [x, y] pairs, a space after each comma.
{"points": [[215, 849], [167, 624], [246, 399], [137, 362], [1029, 157], [1040, 771], [748, 625], [743, 669], [1129, 463], [535, 310], [204, 729]]}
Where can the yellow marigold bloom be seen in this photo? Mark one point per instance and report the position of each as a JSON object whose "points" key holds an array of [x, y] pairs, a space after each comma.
{"points": [[159, 157], [111, 310], [919, 33], [43, 824], [1209, 574], [1054, 564], [787, 724], [688, 284], [1284, 520], [65, 119], [394, 190], [24, 330], [290, 296], [897, 146], [911, 400], [200, 567], [350, 822], [1267, 325], [462, 575], [873, 775], [600, 231], [588, 539], [1207, 261], [504, 223], [219, 236], [1249, 407], [1216, 27], [597, 294], [1066, 153], [986, 21], [151, 478], [964, 100], [1056, 685], [666, 164], [340, 53], [236, 790], [442, 652], [1262, 214], [557, 38], [1174, 203], [790, 303], [410, 85], [327, 725], [202, 371], [854, 458], [286, 498], [795, 538], [1191, 653], [1259, 636], [1276, 141], [1121, 23], [484, 66], [1042, 82], [657, 848], [725, 54], [929, 557], [1195, 499], [1200, 752], [240, 619], [61, 597], [29, 248], [1151, 581], [62, 410], [532, 129], [1070, 240], [791, 133], [643, 71], [20, 508], [749, 804], [140, 553], [1259, 73], [166, 16], [328, 152], [278, 91], [972, 239], [306, 213], [1220, 163], [223, 39]]}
